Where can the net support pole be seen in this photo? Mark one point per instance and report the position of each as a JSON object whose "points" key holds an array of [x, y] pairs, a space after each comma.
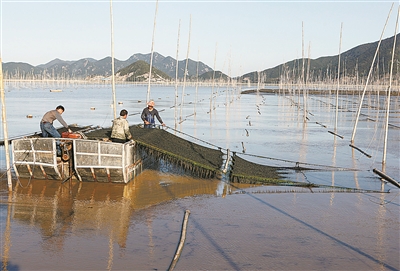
{"points": [[5, 129]]}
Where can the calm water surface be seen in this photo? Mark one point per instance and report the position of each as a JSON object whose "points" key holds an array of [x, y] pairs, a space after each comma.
{"points": [[47, 225]]}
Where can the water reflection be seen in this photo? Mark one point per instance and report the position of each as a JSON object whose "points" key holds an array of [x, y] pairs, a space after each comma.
{"points": [[58, 209], [90, 209]]}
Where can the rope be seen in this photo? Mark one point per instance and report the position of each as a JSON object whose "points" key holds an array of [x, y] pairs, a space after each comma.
{"points": [[208, 143], [265, 157], [300, 163]]}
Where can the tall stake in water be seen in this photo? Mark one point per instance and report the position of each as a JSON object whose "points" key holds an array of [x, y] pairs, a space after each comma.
{"points": [[388, 95], [186, 66], [197, 81], [5, 130], [176, 79], [151, 56], [338, 78], [112, 62], [302, 74], [213, 79], [368, 77]]}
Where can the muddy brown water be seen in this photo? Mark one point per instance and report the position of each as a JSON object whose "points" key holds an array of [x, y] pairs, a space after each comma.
{"points": [[47, 225]]}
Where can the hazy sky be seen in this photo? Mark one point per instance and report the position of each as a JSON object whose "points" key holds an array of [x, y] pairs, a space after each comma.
{"points": [[241, 36]]}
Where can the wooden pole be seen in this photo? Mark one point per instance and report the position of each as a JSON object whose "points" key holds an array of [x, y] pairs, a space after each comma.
{"points": [[302, 75], [338, 79], [186, 67], [176, 79], [197, 81], [213, 79], [182, 241], [152, 52], [386, 177], [5, 130], [368, 77], [388, 95], [112, 63]]}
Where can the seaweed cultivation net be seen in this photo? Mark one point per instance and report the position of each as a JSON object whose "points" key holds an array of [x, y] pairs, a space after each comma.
{"points": [[160, 144], [244, 171], [206, 162]]}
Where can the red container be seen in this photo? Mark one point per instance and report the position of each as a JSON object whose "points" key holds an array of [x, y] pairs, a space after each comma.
{"points": [[70, 135]]}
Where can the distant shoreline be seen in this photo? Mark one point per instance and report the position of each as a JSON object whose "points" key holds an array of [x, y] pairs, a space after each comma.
{"points": [[322, 91]]}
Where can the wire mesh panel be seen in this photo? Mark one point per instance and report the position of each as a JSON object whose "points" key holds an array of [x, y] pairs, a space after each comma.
{"points": [[36, 158], [105, 161]]}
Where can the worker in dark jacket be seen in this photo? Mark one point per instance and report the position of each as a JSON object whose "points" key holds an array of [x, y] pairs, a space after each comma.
{"points": [[149, 114]]}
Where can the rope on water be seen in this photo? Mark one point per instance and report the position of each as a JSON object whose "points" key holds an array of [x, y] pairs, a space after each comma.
{"points": [[208, 143], [315, 189], [301, 163], [265, 157], [182, 241]]}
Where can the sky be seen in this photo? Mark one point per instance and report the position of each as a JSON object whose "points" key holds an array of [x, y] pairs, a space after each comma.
{"points": [[235, 37]]}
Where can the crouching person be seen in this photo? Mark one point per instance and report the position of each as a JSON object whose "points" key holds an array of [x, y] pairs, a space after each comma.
{"points": [[120, 129]]}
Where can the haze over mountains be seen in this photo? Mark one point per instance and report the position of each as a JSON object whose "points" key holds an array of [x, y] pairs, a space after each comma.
{"points": [[354, 62]]}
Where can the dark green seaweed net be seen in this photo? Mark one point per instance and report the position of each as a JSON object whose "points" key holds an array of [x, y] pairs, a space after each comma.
{"points": [[207, 162], [160, 144]]}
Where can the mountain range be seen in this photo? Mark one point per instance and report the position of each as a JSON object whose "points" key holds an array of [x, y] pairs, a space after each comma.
{"points": [[355, 62]]}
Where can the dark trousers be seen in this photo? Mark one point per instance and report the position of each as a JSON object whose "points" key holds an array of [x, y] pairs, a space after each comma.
{"points": [[117, 140]]}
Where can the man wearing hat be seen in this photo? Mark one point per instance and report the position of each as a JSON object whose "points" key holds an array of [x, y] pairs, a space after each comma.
{"points": [[148, 116]]}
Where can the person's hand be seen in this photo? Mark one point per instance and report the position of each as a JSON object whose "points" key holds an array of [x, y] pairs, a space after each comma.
{"points": [[69, 131], [146, 122], [163, 124]]}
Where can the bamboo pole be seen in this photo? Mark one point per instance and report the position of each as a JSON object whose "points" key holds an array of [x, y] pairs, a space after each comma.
{"points": [[152, 52], [213, 79], [368, 77], [338, 79], [386, 177], [388, 95], [112, 62], [182, 241], [197, 82], [302, 75], [186, 67], [5, 129], [176, 78]]}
